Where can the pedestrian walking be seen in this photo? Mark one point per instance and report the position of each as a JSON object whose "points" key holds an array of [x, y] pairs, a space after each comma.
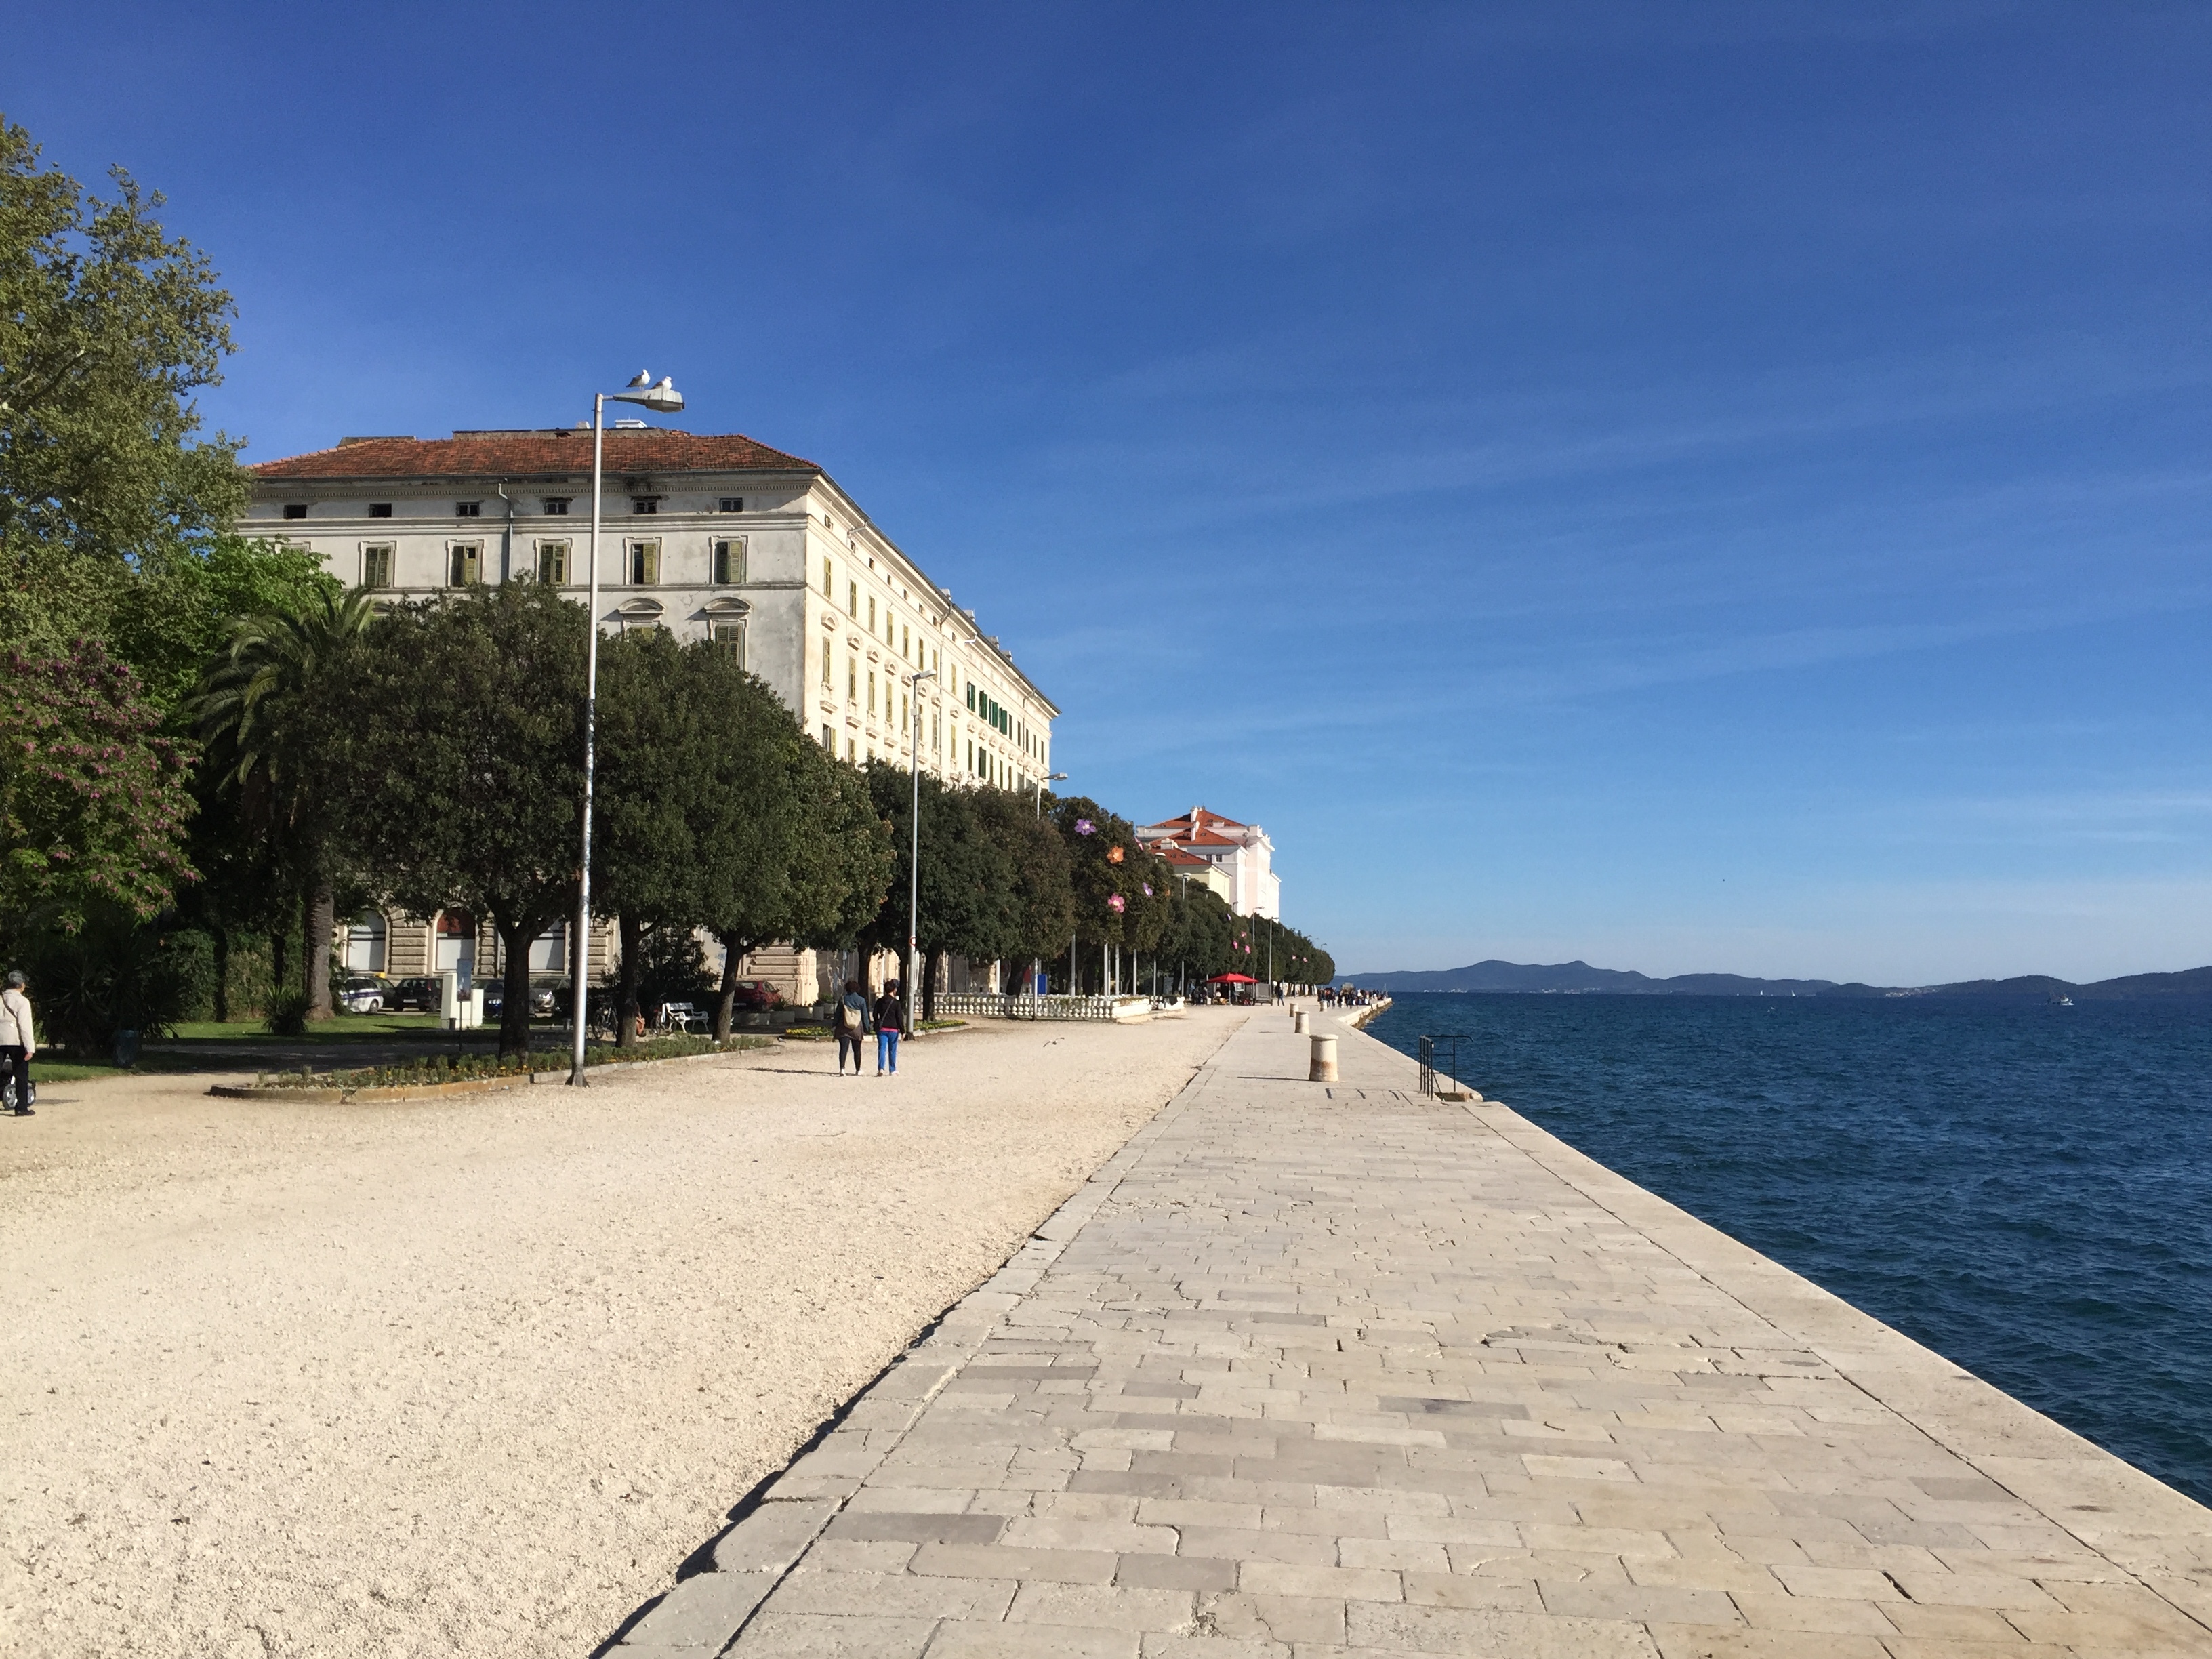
{"points": [[891, 1020], [18, 1043], [852, 1025]]}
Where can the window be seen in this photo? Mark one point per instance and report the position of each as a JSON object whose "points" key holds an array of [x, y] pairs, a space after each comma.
{"points": [[851, 678], [825, 665], [852, 748], [729, 562], [553, 563], [364, 946], [936, 731], [871, 613], [296, 509], [733, 504], [830, 738], [379, 509], [729, 639], [555, 507], [468, 509], [971, 696], [467, 565], [647, 504], [853, 599], [906, 642], [549, 952], [872, 693], [645, 564], [376, 565], [906, 714], [828, 581]]}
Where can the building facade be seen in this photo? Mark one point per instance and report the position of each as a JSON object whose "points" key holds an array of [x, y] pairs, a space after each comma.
{"points": [[715, 537], [1239, 858]]}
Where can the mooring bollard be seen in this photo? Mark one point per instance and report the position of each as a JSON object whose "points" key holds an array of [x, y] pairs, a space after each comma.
{"points": [[1298, 1022], [1324, 1061]]}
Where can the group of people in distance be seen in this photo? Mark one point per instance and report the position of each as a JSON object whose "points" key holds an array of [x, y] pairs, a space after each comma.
{"points": [[856, 1018], [1344, 996]]}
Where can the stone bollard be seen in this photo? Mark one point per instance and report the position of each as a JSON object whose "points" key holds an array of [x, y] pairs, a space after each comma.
{"points": [[1324, 1061], [1298, 1022]]}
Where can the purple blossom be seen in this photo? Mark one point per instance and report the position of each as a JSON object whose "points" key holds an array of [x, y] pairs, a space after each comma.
{"points": [[1148, 890], [1084, 826]]}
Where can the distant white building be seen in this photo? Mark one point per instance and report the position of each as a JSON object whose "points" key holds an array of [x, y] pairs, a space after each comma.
{"points": [[715, 537], [1236, 859]]}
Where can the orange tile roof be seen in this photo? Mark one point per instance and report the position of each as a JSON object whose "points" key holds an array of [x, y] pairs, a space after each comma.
{"points": [[556, 453]]}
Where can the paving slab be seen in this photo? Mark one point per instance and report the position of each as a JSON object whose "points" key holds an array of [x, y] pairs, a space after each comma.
{"points": [[1338, 1369]]}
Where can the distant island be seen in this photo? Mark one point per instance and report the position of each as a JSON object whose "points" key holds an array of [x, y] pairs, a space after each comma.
{"points": [[1580, 979]]}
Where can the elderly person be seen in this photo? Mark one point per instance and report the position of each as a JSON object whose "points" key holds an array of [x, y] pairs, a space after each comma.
{"points": [[18, 1043]]}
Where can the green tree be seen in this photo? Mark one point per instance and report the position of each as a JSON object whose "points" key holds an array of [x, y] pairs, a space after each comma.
{"points": [[968, 902], [785, 846], [459, 756], [655, 744], [269, 710], [108, 326], [92, 799], [1042, 870]]}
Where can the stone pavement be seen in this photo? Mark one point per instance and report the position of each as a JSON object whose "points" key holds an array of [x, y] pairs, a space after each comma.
{"points": [[1313, 1371]]}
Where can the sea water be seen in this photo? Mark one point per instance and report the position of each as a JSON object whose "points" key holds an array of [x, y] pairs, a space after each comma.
{"points": [[2026, 1188]]}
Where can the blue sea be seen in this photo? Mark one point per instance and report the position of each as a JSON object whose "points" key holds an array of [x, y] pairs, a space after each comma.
{"points": [[2025, 1189]]}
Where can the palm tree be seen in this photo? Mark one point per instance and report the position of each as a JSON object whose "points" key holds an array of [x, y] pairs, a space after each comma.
{"points": [[257, 710]]}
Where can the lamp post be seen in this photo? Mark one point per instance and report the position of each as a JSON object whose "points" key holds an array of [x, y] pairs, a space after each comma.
{"points": [[1037, 964], [913, 850], [1049, 777], [662, 399]]}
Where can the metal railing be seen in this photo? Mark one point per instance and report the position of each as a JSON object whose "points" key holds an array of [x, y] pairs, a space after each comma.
{"points": [[1009, 1005], [1450, 1069]]}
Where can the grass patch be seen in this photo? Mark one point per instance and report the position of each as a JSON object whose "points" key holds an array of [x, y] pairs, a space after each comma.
{"points": [[435, 1069], [938, 1025]]}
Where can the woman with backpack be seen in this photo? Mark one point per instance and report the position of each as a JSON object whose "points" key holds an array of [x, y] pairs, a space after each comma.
{"points": [[852, 1025]]}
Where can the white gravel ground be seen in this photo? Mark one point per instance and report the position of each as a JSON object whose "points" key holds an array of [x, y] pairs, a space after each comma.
{"points": [[472, 1376]]}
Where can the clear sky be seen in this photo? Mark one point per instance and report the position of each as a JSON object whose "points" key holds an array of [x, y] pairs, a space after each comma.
{"points": [[1713, 487]]}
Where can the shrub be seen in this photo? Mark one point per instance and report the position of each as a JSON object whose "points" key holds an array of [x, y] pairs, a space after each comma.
{"points": [[287, 1014], [113, 974]]}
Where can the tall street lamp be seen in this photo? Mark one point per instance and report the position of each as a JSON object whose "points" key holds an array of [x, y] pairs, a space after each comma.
{"points": [[913, 850], [662, 399], [1049, 777]]}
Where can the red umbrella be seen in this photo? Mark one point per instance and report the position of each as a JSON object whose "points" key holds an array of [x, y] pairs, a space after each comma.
{"points": [[1232, 979]]}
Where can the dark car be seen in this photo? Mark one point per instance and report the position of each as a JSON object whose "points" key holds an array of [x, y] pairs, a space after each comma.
{"points": [[417, 993], [494, 1000]]}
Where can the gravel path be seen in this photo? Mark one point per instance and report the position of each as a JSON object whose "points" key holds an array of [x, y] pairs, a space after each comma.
{"points": [[464, 1376]]}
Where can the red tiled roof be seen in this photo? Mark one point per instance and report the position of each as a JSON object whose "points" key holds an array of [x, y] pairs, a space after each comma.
{"points": [[1174, 855], [1197, 818], [557, 452]]}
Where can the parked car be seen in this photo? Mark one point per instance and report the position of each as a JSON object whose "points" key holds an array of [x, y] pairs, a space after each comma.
{"points": [[416, 992], [494, 1000], [545, 1002], [361, 996]]}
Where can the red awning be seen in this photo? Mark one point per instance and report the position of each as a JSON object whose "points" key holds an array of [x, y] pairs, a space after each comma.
{"points": [[1232, 979]]}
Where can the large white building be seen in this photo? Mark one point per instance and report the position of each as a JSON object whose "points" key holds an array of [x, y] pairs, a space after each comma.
{"points": [[1234, 860], [715, 537]]}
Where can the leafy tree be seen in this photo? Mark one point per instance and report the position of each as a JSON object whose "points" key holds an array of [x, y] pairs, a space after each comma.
{"points": [[267, 709], [785, 847], [93, 800], [1044, 872], [969, 904], [459, 757], [655, 740], [107, 327]]}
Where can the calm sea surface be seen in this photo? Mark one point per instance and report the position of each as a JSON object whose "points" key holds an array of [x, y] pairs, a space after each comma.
{"points": [[2025, 1189]]}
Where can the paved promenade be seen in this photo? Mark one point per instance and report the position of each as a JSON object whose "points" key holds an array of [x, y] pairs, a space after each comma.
{"points": [[1308, 1372]]}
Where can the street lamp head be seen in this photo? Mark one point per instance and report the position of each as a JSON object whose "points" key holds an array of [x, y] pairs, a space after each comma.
{"points": [[1056, 777], [925, 674], [663, 399]]}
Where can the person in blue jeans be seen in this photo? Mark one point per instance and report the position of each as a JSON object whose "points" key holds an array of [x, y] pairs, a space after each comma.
{"points": [[891, 1020]]}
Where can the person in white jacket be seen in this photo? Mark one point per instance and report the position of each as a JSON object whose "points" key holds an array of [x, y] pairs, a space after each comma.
{"points": [[18, 1041]]}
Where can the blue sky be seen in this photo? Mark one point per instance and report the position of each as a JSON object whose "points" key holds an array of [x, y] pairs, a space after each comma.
{"points": [[1715, 487]]}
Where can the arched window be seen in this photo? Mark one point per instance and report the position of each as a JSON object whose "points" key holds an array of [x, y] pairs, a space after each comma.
{"points": [[364, 944]]}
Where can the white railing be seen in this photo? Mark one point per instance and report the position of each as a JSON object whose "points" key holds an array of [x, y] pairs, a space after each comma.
{"points": [[1000, 1005]]}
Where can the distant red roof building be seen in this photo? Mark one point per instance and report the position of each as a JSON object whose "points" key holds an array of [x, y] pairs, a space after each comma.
{"points": [[1238, 858]]}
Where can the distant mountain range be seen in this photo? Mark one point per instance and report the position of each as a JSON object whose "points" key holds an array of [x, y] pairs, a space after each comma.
{"points": [[1580, 979]]}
